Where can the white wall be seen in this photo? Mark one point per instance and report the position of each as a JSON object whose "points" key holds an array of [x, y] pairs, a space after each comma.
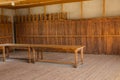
{"points": [[73, 10], [53, 8], [113, 7], [92, 8], [37, 10], [23, 11]]}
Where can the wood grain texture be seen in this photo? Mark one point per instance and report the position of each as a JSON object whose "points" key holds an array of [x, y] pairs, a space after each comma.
{"points": [[99, 35], [6, 34], [96, 67]]}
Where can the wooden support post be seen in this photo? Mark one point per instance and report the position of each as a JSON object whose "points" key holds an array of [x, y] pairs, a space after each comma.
{"points": [[81, 9], [4, 56], [81, 56], [29, 55], [104, 8], [76, 59], [33, 55]]}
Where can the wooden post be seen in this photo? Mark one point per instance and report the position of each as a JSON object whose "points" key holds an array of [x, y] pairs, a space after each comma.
{"points": [[81, 11], [104, 8]]}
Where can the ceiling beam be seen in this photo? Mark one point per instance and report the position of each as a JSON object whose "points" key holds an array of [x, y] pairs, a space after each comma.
{"points": [[34, 3], [104, 8]]}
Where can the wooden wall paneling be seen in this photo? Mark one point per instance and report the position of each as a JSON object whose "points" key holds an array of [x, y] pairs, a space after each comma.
{"points": [[59, 26], [99, 35], [24, 38], [56, 31], [35, 29], [28, 26], [47, 32], [99, 32], [40, 31], [96, 32], [66, 33], [16, 29], [73, 24], [10, 32], [89, 36], [21, 33], [108, 38], [83, 31], [104, 38], [61, 31], [44, 32], [2, 32], [53, 32]]}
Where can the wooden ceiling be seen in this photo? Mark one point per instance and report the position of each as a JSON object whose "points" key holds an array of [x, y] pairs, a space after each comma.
{"points": [[32, 3]]}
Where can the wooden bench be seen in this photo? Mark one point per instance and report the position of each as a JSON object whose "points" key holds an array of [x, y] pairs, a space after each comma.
{"points": [[74, 49], [5, 49], [34, 56]]}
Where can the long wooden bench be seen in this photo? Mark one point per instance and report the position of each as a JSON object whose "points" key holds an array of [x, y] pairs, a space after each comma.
{"points": [[74, 49], [34, 56]]}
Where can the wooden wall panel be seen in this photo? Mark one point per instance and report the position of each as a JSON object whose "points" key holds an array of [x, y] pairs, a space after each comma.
{"points": [[99, 35], [6, 34]]}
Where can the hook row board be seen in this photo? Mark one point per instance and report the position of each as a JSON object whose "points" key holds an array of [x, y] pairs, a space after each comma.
{"points": [[99, 35], [38, 17], [5, 19]]}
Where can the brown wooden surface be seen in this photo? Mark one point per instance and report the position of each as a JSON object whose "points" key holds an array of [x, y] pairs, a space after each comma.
{"points": [[6, 35], [99, 35], [33, 56]]}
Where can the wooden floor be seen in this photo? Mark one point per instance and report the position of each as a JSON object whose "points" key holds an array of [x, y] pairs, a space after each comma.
{"points": [[95, 67]]}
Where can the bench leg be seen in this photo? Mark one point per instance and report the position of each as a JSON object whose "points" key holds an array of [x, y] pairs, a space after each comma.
{"points": [[38, 56], [4, 56], [76, 59], [29, 55], [33, 55], [81, 55], [41, 55]]}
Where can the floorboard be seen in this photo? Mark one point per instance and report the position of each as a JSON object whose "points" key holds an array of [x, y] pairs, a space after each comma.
{"points": [[95, 67]]}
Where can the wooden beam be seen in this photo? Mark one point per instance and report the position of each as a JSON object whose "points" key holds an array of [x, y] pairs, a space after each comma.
{"points": [[34, 3], [81, 9], [104, 8]]}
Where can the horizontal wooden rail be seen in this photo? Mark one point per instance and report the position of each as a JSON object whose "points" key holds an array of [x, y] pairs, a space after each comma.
{"points": [[69, 36], [6, 36]]}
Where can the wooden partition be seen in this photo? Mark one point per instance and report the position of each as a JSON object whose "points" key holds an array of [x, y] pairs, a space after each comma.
{"points": [[99, 35], [6, 35]]}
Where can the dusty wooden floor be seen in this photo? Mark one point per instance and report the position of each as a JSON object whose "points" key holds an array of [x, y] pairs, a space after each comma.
{"points": [[95, 67]]}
